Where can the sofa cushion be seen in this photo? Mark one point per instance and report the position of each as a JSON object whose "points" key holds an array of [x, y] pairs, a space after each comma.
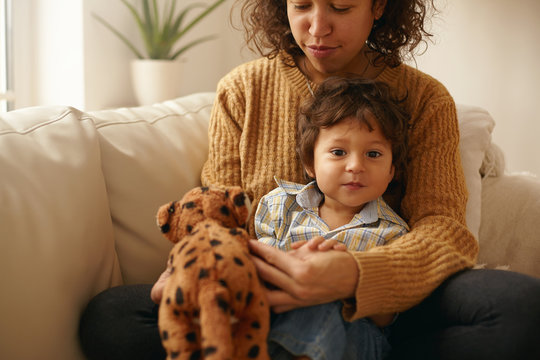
{"points": [[510, 205], [150, 155], [475, 127], [56, 248]]}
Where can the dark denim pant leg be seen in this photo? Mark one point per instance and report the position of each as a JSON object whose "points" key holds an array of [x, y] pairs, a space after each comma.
{"points": [[316, 331], [475, 314], [121, 323]]}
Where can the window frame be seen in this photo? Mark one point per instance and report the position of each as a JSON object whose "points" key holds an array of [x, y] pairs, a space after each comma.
{"points": [[7, 95]]}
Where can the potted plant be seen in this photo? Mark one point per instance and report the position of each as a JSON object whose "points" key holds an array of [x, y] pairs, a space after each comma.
{"points": [[155, 73]]}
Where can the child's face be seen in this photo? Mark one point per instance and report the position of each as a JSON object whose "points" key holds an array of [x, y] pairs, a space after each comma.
{"points": [[352, 165]]}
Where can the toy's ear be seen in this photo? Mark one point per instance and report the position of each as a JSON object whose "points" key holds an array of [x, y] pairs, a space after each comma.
{"points": [[241, 205], [166, 220], [163, 215]]}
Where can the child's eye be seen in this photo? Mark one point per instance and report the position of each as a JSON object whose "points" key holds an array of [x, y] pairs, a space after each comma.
{"points": [[373, 154], [338, 152]]}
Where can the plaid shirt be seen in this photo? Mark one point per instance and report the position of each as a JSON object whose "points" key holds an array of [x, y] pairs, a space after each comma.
{"points": [[290, 213]]}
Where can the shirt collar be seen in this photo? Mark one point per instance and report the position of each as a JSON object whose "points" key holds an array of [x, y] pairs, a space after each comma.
{"points": [[387, 213], [307, 196]]}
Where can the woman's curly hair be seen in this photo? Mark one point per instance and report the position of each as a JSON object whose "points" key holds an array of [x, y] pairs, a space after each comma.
{"points": [[393, 37]]}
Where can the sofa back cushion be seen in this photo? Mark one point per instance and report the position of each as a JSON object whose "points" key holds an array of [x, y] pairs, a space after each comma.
{"points": [[150, 155], [56, 243]]}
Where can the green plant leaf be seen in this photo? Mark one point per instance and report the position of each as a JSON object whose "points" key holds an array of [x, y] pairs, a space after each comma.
{"points": [[140, 24], [122, 37], [160, 34], [156, 16], [201, 16], [167, 26], [190, 45], [149, 26], [180, 19]]}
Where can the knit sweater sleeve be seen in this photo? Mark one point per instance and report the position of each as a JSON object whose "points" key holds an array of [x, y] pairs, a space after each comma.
{"points": [[223, 166], [396, 277]]}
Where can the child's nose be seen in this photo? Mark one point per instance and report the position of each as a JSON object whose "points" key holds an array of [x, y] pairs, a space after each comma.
{"points": [[355, 164]]}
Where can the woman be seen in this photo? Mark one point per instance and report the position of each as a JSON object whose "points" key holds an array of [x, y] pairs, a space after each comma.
{"points": [[447, 312]]}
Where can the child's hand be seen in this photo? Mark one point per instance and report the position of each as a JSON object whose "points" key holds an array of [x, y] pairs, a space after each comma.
{"points": [[320, 243]]}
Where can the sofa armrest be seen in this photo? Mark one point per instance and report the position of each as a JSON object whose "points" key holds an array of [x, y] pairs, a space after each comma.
{"points": [[510, 226], [56, 234]]}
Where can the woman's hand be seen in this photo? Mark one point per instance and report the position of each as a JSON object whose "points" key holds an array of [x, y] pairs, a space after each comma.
{"points": [[304, 276], [157, 290]]}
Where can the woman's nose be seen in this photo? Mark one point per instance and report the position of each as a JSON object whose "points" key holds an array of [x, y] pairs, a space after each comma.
{"points": [[320, 25]]}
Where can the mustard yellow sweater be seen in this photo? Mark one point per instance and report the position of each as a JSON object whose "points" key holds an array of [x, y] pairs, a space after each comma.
{"points": [[252, 139]]}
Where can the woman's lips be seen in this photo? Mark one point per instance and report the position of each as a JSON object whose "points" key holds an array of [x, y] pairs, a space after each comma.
{"points": [[321, 51]]}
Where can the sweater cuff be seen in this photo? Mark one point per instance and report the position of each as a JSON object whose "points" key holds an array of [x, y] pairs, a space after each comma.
{"points": [[373, 285]]}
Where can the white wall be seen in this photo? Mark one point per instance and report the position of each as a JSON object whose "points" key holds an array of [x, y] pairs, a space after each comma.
{"points": [[487, 53], [48, 59]]}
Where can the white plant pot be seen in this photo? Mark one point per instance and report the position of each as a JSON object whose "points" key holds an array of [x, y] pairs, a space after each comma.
{"points": [[155, 80]]}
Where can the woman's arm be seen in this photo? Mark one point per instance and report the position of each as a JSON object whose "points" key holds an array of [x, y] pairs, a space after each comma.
{"points": [[223, 166]]}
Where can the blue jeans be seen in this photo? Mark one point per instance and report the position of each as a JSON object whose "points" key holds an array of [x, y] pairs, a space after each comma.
{"points": [[321, 333]]}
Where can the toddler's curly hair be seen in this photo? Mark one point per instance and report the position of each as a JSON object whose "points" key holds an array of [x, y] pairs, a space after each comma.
{"points": [[339, 98]]}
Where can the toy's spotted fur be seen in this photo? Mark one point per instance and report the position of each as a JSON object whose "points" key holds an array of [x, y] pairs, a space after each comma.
{"points": [[213, 306]]}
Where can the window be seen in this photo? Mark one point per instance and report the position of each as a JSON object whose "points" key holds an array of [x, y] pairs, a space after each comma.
{"points": [[6, 91]]}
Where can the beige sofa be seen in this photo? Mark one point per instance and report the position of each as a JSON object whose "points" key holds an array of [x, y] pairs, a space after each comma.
{"points": [[79, 191]]}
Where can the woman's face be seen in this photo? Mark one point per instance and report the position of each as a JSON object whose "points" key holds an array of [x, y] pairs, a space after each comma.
{"points": [[332, 33]]}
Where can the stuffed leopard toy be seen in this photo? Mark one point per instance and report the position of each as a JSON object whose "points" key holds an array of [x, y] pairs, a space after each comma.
{"points": [[213, 306]]}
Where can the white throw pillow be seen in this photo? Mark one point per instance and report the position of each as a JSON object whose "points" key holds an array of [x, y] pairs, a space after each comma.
{"points": [[475, 126], [56, 248], [150, 155]]}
